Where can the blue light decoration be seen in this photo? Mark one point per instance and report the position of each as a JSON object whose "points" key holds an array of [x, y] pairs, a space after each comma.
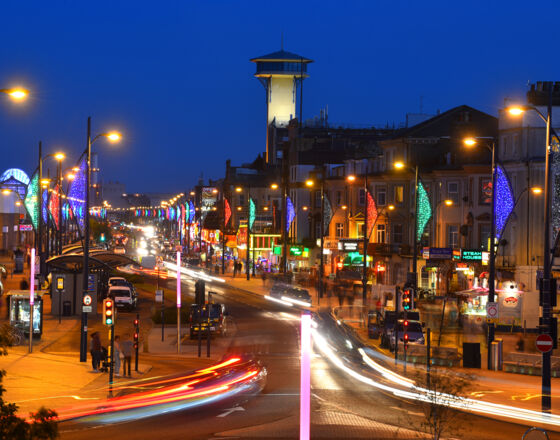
{"points": [[504, 201], [252, 213], [191, 211], [290, 213], [44, 204], [31, 201], [424, 212], [15, 180], [77, 195]]}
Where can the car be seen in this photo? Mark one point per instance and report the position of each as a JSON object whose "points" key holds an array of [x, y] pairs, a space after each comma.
{"points": [[199, 320], [124, 296], [414, 330], [118, 281], [279, 290]]}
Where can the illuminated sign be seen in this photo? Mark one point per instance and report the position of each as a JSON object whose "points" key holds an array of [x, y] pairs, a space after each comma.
{"points": [[350, 245], [471, 255], [437, 253], [296, 250], [25, 227], [277, 250], [16, 174]]}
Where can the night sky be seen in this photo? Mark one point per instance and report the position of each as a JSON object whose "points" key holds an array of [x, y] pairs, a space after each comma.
{"points": [[175, 77]]}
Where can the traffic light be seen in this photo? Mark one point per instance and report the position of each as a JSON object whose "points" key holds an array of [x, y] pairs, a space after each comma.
{"points": [[408, 299], [136, 334], [405, 336], [135, 339], [109, 314]]}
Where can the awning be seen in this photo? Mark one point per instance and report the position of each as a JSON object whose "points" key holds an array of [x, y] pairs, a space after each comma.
{"points": [[98, 260]]}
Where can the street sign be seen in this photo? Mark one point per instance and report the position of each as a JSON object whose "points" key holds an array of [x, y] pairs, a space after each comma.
{"points": [[159, 295], [544, 343], [86, 309], [87, 300], [492, 312]]}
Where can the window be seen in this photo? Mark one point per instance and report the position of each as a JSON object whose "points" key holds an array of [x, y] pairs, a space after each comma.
{"points": [[317, 199], [381, 195], [397, 233], [484, 234], [317, 229], [361, 197], [452, 236], [399, 193], [380, 233], [339, 230], [338, 198], [453, 192]]}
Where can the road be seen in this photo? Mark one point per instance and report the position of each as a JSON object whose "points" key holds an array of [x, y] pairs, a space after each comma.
{"points": [[341, 406]]}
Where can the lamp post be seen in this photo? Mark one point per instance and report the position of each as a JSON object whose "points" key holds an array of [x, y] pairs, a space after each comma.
{"points": [[470, 142], [112, 137], [16, 93], [247, 268], [59, 157], [548, 285], [310, 183]]}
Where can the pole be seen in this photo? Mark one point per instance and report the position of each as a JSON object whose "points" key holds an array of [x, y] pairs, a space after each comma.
{"points": [[492, 263], [208, 309], [40, 219], [247, 270], [178, 302], [111, 357], [224, 230], [364, 262], [547, 281], [397, 301], [162, 307], [59, 207], [428, 356], [85, 273], [321, 266], [415, 247], [31, 298], [137, 331], [305, 377]]}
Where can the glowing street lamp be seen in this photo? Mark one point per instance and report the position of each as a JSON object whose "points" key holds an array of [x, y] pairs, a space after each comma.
{"points": [[17, 93], [537, 190], [448, 202], [274, 186], [399, 165], [309, 183]]}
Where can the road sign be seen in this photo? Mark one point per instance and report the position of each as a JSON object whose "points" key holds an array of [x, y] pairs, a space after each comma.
{"points": [[544, 343], [87, 300], [159, 295], [86, 309], [492, 314]]}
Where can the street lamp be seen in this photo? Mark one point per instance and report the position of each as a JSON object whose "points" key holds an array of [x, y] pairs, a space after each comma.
{"points": [[59, 157], [471, 142], [310, 184], [17, 93], [548, 285], [112, 136]]}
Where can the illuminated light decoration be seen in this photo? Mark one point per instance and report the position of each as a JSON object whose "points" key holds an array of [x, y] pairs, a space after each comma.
{"points": [[327, 214], [555, 211], [44, 203], [187, 212], [16, 180], [77, 195], [54, 206], [178, 213], [290, 213], [192, 211], [504, 201], [424, 212], [227, 212], [252, 213], [371, 213], [31, 200]]}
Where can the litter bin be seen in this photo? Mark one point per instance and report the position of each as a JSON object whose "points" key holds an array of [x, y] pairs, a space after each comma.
{"points": [[496, 353], [66, 308], [471, 354]]}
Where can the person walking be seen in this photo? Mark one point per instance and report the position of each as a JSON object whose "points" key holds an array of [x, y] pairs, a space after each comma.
{"points": [[95, 351], [126, 348], [118, 355], [234, 268]]}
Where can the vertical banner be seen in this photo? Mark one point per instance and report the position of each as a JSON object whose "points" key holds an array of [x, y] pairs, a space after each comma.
{"points": [[227, 212], [32, 201], [504, 201], [327, 215], [371, 214], [252, 214], [424, 211], [77, 196], [290, 213]]}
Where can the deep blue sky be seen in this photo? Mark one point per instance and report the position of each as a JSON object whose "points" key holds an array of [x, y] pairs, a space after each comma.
{"points": [[175, 77]]}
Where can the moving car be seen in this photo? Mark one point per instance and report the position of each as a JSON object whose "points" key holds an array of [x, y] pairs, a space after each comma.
{"points": [[124, 296], [279, 290], [199, 320]]}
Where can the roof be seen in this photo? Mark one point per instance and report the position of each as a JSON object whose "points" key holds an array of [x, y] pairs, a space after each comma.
{"points": [[74, 263], [281, 55]]}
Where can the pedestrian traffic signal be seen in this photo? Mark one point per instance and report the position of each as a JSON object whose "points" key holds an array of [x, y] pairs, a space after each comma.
{"points": [[109, 312], [136, 322], [405, 336], [135, 339], [408, 299]]}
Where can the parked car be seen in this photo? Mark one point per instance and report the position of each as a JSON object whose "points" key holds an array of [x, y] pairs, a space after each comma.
{"points": [[199, 320], [124, 296], [414, 330]]}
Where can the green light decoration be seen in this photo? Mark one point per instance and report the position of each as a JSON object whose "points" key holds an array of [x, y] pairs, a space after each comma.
{"points": [[31, 201], [252, 213], [424, 212]]}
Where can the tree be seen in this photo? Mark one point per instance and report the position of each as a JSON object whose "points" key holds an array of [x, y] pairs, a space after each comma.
{"points": [[442, 405], [42, 425]]}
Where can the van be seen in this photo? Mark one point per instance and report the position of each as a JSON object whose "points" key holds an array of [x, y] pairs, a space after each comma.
{"points": [[124, 296]]}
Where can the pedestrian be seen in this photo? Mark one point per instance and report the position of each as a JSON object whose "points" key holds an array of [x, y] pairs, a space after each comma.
{"points": [[95, 351], [118, 355], [234, 268], [126, 348], [263, 276]]}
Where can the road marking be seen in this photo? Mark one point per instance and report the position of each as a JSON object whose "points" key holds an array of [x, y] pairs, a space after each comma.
{"points": [[227, 412], [410, 413]]}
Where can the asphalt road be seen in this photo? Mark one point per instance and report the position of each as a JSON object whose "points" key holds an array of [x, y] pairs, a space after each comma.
{"points": [[341, 406]]}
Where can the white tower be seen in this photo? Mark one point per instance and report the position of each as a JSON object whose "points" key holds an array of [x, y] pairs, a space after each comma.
{"points": [[280, 73]]}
